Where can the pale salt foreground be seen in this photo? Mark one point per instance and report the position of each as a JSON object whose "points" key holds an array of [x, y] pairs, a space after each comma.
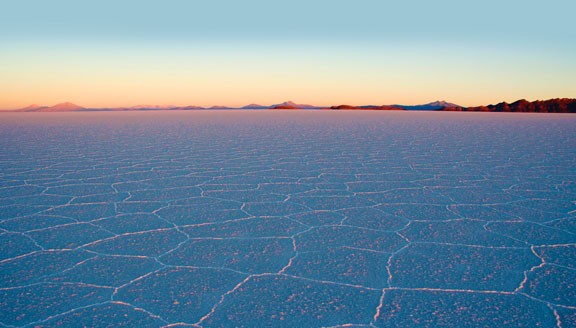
{"points": [[307, 218]]}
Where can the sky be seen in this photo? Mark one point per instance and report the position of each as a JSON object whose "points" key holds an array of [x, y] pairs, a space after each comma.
{"points": [[175, 52]]}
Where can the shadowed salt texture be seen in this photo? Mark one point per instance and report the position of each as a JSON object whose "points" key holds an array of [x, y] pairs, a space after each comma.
{"points": [[300, 218]]}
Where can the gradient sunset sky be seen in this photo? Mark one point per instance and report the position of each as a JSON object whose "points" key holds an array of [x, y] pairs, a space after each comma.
{"points": [[124, 53]]}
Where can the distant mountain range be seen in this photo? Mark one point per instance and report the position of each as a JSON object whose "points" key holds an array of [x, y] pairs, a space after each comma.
{"points": [[70, 107], [559, 105]]}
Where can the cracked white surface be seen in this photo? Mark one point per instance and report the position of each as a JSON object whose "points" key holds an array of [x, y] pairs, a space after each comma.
{"points": [[327, 219]]}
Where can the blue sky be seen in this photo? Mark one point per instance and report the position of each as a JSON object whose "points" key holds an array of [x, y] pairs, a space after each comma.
{"points": [[120, 53]]}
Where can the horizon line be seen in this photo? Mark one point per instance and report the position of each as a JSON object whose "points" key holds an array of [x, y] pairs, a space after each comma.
{"points": [[254, 105], [562, 105]]}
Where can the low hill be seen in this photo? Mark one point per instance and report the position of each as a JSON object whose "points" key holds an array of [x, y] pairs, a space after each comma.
{"points": [[62, 107], [292, 105], [436, 105], [370, 107], [254, 106]]}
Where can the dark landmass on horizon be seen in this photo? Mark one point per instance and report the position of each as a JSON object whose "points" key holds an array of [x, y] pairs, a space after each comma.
{"points": [[557, 105]]}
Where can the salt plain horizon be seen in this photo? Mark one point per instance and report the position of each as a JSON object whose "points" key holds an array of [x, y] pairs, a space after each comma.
{"points": [[298, 218]]}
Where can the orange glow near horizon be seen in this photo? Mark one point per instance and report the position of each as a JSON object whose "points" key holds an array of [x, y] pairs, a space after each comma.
{"points": [[205, 76]]}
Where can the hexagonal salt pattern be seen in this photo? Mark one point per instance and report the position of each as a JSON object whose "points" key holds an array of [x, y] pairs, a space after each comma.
{"points": [[287, 219]]}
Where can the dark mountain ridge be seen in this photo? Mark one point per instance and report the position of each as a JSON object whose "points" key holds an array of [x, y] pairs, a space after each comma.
{"points": [[558, 105]]}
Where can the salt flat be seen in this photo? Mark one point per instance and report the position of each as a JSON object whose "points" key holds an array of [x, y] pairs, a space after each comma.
{"points": [[299, 218]]}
